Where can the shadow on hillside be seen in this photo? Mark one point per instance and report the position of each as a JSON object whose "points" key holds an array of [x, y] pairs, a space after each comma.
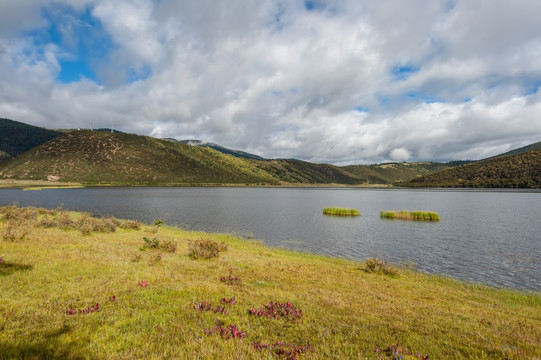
{"points": [[49, 347], [7, 268]]}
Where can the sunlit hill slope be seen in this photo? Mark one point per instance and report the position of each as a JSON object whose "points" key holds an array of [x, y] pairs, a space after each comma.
{"points": [[97, 157]]}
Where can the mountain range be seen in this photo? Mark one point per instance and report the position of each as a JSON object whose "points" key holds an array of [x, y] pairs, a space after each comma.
{"points": [[114, 158]]}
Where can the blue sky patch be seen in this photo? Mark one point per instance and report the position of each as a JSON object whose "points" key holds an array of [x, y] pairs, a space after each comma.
{"points": [[427, 99], [402, 72], [314, 5], [532, 88], [81, 38], [361, 109]]}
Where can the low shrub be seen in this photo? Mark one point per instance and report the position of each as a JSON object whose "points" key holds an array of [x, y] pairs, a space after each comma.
{"points": [[205, 249], [18, 214], [374, 265], [107, 225], [46, 222], [14, 232], [86, 228], [153, 243], [168, 245], [64, 221], [130, 225]]}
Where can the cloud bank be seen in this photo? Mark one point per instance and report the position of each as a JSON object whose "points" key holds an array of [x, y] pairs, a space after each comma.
{"points": [[344, 82]]}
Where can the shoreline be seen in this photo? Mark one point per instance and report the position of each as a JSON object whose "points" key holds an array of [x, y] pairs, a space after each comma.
{"points": [[48, 184], [347, 310]]}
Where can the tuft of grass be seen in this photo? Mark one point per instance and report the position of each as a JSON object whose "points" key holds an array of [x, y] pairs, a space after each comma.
{"points": [[377, 266], [416, 215], [338, 211], [147, 312]]}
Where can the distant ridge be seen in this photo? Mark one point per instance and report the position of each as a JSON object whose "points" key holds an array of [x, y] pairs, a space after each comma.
{"points": [[17, 137], [222, 149]]}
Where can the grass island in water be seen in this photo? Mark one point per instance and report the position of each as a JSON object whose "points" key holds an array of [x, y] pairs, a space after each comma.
{"points": [[410, 215], [341, 211]]}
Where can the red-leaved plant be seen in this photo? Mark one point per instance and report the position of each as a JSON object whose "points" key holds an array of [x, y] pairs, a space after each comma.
{"points": [[221, 310], [87, 310], [277, 310], [230, 301], [202, 306], [230, 279], [227, 332], [143, 283]]}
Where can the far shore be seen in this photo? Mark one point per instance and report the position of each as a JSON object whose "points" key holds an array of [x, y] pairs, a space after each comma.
{"points": [[43, 184]]}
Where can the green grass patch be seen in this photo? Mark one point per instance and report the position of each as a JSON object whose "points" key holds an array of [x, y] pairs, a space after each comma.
{"points": [[410, 215], [69, 295], [338, 211]]}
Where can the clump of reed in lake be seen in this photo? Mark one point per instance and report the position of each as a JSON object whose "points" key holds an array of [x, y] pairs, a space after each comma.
{"points": [[341, 211], [410, 215]]}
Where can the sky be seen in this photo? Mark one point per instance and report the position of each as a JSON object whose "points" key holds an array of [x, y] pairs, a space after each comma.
{"points": [[341, 82]]}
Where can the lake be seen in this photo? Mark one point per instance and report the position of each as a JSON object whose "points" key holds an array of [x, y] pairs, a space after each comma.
{"points": [[493, 237]]}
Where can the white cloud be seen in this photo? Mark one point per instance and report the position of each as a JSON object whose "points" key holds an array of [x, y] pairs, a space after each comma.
{"points": [[272, 78], [400, 154]]}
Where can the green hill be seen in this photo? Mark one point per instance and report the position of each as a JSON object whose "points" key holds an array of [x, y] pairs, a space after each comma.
{"points": [[296, 171], [16, 138], [393, 172], [101, 157], [522, 170], [93, 157]]}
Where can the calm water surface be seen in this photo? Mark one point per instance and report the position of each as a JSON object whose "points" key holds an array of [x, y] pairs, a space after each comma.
{"points": [[492, 237]]}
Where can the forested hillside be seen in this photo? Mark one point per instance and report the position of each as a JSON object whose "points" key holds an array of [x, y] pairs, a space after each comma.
{"points": [[16, 138], [513, 171]]}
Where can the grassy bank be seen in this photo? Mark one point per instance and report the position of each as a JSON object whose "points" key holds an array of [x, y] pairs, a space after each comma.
{"points": [[73, 289]]}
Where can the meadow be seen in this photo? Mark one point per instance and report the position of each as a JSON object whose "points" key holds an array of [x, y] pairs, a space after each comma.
{"points": [[79, 287]]}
